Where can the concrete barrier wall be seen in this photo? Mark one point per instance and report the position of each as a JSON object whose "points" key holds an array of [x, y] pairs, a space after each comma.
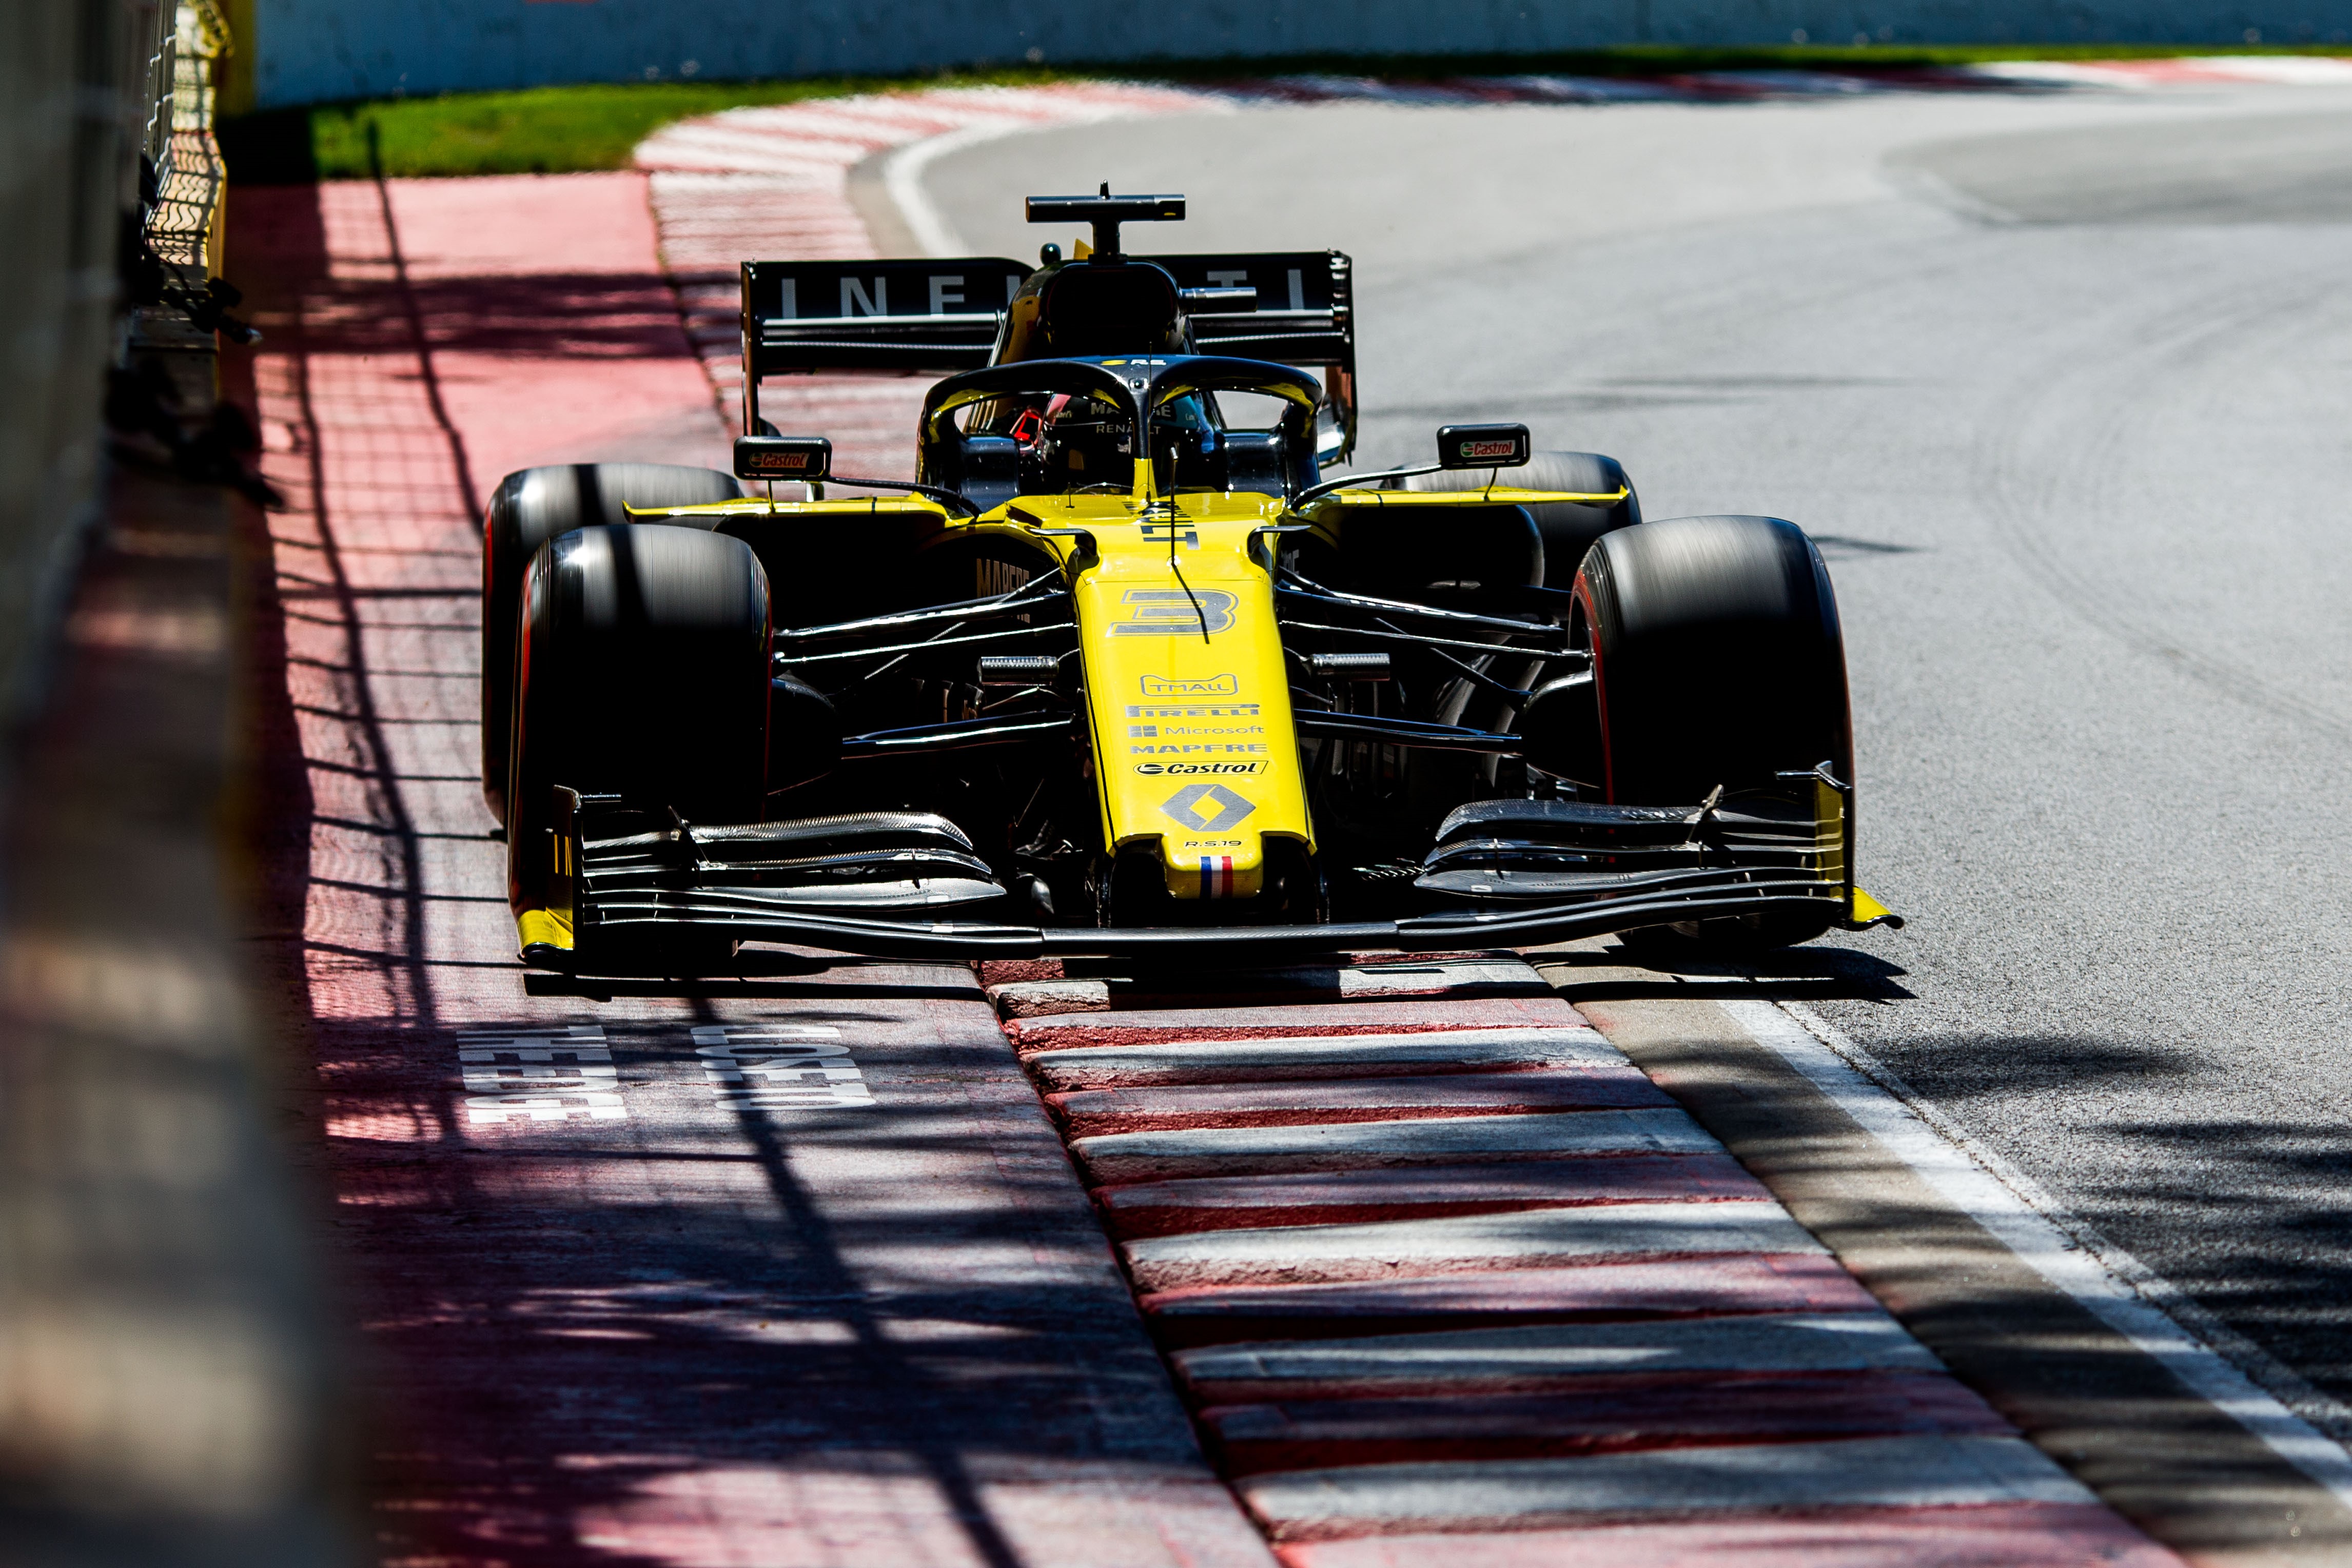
{"points": [[66, 173], [317, 50], [162, 1396]]}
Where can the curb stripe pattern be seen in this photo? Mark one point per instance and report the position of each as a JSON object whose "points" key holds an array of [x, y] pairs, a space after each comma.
{"points": [[1543, 1317]]}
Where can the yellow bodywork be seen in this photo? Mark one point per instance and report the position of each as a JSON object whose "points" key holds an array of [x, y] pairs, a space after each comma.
{"points": [[545, 928], [1834, 849], [1194, 753], [1188, 698]]}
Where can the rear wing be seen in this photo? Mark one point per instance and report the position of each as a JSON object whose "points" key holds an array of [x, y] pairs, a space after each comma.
{"points": [[945, 315]]}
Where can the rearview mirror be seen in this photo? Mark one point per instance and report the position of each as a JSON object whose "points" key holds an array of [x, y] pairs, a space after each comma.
{"points": [[783, 458], [1479, 445]]}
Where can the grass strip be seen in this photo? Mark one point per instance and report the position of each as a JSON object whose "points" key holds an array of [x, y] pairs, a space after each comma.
{"points": [[535, 131], [564, 129]]}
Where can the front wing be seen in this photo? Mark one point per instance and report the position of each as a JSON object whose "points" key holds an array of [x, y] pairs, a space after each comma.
{"points": [[888, 884]]}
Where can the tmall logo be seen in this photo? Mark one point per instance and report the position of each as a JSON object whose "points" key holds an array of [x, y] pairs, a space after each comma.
{"points": [[1204, 686]]}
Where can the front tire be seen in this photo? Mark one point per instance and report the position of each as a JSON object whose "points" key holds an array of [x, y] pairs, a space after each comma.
{"points": [[529, 509], [1717, 663], [641, 671]]}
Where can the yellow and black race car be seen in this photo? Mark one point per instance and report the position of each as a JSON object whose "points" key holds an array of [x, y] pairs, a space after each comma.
{"points": [[1123, 674]]}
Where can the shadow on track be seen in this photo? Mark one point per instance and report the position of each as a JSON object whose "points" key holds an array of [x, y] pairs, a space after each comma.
{"points": [[683, 1335], [1790, 974]]}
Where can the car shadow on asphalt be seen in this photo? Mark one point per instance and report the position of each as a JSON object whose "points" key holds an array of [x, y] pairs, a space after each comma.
{"points": [[1812, 973], [754, 975]]}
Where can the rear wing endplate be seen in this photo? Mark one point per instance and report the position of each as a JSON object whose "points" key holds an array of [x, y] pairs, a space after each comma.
{"points": [[945, 315], [1305, 316], [940, 316]]}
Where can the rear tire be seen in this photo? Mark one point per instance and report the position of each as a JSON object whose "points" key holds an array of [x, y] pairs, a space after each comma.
{"points": [[642, 671], [1569, 528], [529, 509], [1717, 661]]}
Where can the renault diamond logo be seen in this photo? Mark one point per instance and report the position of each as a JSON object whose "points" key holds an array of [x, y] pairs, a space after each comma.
{"points": [[1207, 807]]}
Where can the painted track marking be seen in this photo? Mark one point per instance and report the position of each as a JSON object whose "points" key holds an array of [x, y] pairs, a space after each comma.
{"points": [[795, 1066], [1971, 1181], [538, 1075]]}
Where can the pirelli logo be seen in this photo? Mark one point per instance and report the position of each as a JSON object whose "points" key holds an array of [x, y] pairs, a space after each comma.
{"points": [[1233, 711]]}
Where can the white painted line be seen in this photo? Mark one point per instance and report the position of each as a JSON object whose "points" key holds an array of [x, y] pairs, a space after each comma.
{"points": [[1033, 996], [1212, 1060], [902, 178], [1499, 1240], [1328, 1098], [2060, 73], [1458, 974], [1527, 1182], [1424, 1138], [2289, 70], [1774, 1341], [1484, 976], [1321, 1017], [538, 1075], [1871, 1472], [903, 170], [2008, 1206]]}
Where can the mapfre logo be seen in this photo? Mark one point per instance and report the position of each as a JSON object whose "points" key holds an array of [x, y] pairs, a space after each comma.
{"points": [[1205, 686]]}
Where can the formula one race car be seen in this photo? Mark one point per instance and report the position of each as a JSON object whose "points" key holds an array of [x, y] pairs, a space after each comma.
{"points": [[1122, 674]]}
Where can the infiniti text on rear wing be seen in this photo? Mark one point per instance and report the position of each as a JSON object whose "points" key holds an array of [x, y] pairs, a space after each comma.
{"points": [[938, 316], [943, 316]]}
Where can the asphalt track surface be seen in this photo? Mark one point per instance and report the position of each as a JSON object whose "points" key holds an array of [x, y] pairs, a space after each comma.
{"points": [[2060, 387]]}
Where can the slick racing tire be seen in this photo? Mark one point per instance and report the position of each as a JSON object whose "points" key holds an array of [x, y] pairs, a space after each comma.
{"points": [[1569, 528], [641, 671], [1717, 661], [529, 509]]}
